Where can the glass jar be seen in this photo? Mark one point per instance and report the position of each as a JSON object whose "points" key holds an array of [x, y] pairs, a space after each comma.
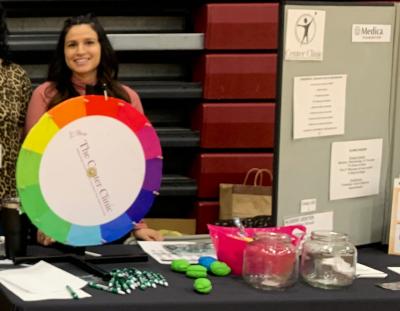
{"points": [[14, 227], [270, 261], [328, 260]]}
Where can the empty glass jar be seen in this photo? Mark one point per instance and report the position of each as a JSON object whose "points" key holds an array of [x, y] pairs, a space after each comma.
{"points": [[328, 260], [270, 261]]}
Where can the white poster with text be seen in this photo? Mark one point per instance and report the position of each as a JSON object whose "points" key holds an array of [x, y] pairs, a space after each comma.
{"points": [[319, 104], [312, 222], [355, 168]]}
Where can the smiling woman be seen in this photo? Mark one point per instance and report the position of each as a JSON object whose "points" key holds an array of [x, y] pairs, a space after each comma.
{"points": [[82, 52], [84, 59]]}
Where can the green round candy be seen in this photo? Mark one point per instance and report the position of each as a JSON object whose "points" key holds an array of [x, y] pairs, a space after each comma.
{"points": [[220, 268], [196, 271], [202, 285], [180, 265]]}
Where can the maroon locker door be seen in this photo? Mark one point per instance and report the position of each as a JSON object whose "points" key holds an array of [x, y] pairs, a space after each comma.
{"points": [[211, 169], [244, 26], [205, 212], [235, 125], [237, 76]]}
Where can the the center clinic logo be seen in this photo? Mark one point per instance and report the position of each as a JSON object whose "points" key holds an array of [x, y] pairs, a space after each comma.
{"points": [[306, 29]]}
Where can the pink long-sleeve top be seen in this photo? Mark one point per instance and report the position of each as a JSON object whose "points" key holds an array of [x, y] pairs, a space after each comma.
{"points": [[42, 95]]}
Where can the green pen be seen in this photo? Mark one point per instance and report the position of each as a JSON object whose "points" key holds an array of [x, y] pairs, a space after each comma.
{"points": [[73, 294]]}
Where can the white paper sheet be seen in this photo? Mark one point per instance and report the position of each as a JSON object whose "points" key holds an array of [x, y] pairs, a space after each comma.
{"points": [[363, 271], [42, 281], [355, 168], [164, 252], [394, 269], [319, 104], [312, 222]]}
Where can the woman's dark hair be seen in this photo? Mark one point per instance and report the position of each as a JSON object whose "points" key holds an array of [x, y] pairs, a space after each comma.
{"points": [[4, 49], [107, 71]]}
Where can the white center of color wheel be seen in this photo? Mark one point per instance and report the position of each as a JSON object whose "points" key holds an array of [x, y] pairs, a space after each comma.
{"points": [[92, 170]]}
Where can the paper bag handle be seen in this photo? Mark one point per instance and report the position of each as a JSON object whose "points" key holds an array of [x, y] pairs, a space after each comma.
{"points": [[254, 169], [258, 179]]}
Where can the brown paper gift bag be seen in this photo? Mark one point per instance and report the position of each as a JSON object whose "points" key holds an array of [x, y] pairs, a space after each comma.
{"points": [[248, 199]]}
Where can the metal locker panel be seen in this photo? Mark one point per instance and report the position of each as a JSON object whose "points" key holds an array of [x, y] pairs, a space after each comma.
{"points": [[244, 26], [236, 125], [238, 76], [211, 169], [205, 212]]}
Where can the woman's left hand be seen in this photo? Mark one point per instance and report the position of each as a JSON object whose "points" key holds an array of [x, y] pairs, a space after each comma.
{"points": [[147, 234], [43, 239]]}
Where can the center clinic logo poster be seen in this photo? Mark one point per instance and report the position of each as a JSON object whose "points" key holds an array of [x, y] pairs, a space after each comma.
{"points": [[89, 170], [305, 31]]}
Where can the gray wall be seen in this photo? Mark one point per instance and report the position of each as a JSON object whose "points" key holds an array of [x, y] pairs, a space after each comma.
{"points": [[304, 164]]}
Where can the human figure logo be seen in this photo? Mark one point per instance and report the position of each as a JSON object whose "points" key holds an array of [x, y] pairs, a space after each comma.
{"points": [[305, 35], [305, 29]]}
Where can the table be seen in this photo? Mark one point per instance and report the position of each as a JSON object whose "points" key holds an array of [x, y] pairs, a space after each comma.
{"points": [[230, 293]]}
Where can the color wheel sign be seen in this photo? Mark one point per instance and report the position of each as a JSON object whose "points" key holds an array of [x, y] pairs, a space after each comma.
{"points": [[89, 170]]}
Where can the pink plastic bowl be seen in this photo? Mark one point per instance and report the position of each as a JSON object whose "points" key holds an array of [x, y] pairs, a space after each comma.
{"points": [[230, 247]]}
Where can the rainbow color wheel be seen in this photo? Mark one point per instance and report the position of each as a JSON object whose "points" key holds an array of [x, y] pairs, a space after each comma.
{"points": [[89, 170]]}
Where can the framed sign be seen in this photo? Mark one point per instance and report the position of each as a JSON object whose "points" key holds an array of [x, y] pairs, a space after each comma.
{"points": [[394, 238], [89, 169]]}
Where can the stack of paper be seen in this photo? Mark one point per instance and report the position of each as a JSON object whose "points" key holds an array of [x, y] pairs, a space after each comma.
{"points": [[363, 271], [42, 281], [166, 251]]}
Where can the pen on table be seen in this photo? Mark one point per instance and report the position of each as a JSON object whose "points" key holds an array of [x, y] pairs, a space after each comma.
{"points": [[92, 254], [106, 288], [73, 294]]}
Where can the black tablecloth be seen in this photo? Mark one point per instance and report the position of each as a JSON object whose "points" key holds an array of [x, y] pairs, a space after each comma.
{"points": [[229, 293]]}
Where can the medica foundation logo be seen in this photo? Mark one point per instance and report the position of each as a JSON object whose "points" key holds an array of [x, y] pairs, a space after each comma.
{"points": [[371, 33], [304, 35]]}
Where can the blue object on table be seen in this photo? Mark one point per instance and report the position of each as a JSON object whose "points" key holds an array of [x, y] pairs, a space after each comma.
{"points": [[206, 261]]}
